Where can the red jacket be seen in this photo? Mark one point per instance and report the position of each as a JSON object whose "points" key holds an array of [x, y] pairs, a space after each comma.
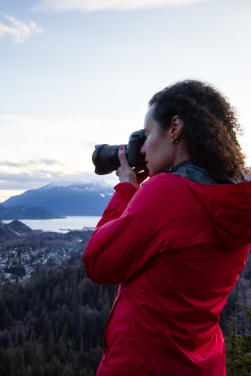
{"points": [[176, 248]]}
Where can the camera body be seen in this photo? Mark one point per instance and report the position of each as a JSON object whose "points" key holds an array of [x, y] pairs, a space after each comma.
{"points": [[106, 160]]}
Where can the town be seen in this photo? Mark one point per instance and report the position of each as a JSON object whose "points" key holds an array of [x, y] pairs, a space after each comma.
{"points": [[24, 252]]}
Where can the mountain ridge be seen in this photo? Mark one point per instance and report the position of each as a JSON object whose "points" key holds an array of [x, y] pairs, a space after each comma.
{"points": [[66, 199]]}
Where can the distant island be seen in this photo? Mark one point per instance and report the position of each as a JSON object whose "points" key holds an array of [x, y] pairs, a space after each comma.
{"points": [[25, 212]]}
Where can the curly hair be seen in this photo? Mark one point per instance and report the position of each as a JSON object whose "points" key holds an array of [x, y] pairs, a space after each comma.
{"points": [[210, 125]]}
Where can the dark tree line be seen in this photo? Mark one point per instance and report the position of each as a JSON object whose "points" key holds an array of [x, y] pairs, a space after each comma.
{"points": [[54, 324]]}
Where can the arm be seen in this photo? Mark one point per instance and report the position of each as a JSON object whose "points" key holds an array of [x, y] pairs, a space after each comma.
{"points": [[122, 247], [119, 201], [131, 180]]}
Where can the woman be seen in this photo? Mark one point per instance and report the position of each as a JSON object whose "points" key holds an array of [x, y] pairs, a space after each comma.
{"points": [[177, 244]]}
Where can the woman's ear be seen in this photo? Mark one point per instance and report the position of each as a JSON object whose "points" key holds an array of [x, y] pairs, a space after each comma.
{"points": [[176, 127]]}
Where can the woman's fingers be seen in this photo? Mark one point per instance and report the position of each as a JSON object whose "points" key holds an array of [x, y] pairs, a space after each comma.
{"points": [[122, 157], [124, 172], [128, 174]]}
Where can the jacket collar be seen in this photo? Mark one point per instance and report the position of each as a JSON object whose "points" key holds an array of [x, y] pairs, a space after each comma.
{"points": [[199, 175]]}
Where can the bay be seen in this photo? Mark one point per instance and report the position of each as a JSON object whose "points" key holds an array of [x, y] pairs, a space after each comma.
{"points": [[61, 224]]}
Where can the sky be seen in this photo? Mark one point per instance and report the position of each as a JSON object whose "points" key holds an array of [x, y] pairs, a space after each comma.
{"points": [[76, 73]]}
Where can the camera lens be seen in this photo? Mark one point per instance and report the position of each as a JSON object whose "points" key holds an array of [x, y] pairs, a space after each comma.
{"points": [[105, 158]]}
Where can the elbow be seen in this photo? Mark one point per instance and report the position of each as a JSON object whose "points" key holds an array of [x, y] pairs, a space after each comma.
{"points": [[87, 265], [91, 269], [99, 273], [100, 264]]}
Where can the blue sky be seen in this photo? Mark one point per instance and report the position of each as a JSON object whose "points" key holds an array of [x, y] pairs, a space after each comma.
{"points": [[75, 73]]}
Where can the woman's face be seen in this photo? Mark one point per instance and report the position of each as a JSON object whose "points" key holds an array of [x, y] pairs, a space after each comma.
{"points": [[158, 147]]}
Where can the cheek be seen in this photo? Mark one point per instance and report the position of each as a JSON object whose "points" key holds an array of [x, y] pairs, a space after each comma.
{"points": [[152, 143]]}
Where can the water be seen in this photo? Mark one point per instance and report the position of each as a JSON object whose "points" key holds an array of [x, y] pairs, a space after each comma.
{"points": [[61, 224]]}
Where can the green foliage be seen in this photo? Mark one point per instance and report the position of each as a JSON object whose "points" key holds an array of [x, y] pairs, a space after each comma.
{"points": [[238, 351]]}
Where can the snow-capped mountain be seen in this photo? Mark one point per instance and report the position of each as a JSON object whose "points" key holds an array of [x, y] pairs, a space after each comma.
{"points": [[67, 198]]}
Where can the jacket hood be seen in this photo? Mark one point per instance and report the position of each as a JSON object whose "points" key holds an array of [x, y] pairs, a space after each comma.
{"points": [[229, 208], [227, 204]]}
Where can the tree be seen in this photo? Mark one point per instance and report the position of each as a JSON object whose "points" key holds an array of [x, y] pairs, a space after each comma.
{"points": [[238, 349]]}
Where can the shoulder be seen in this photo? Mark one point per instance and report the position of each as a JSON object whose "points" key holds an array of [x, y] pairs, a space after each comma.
{"points": [[161, 186], [164, 180]]}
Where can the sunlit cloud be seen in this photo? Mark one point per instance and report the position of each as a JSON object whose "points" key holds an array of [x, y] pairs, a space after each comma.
{"points": [[18, 30], [96, 5], [33, 162], [36, 178], [27, 174], [55, 149], [70, 140]]}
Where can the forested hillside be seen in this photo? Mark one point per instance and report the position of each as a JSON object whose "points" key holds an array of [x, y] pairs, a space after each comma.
{"points": [[53, 324]]}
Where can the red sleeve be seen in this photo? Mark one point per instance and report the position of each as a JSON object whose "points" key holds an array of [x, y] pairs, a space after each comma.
{"points": [[119, 201], [120, 248]]}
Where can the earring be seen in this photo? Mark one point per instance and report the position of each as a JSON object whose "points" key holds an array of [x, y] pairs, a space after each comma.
{"points": [[175, 141]]}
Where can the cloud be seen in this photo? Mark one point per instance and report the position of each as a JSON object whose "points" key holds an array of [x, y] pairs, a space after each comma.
{"points": [[96, 5], [39, 150], [18, 30], [49, 162], [37, 178], [10, 164], [29, 163], [27, 174], [26, 180]]}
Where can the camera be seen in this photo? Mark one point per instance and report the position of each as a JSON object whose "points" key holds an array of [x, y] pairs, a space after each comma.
{"points": [[106, 160]]}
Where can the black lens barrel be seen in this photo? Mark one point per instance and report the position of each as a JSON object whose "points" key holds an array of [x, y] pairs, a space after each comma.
{"points": [[106, 160]]}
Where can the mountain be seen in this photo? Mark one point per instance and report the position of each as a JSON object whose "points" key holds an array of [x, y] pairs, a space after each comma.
{"points": [[13, 230], [67, 199], [25, 212], [18, 227]]}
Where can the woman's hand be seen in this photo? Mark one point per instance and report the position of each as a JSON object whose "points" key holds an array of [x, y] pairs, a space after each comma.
{"points": [[126, 173]]}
